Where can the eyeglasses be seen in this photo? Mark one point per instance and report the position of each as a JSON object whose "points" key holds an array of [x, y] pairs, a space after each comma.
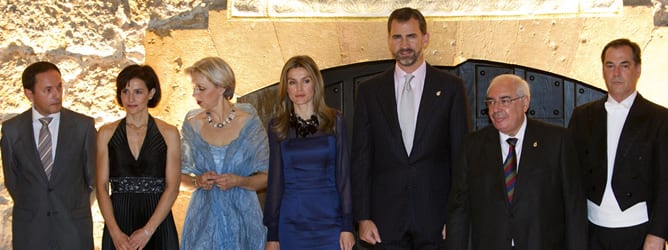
{"points": [[503, 101]]}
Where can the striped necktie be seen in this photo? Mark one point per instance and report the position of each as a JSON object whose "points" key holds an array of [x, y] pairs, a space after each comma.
{"points": [[509, 166], [44, 146]]}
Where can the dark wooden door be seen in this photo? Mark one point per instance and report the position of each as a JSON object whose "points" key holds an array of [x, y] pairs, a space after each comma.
{"points": [[553, 97]]}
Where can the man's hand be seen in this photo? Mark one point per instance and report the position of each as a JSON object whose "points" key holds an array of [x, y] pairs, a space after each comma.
{"points": [[369, 232], [443, 232], [653, 242]]}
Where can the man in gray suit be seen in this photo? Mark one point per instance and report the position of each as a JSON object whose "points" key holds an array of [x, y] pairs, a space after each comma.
{"points": [[48, 159]]}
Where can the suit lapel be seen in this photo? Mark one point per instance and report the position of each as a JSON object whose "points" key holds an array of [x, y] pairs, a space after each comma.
{"points": [[64, 134], [531, 153], [635, 123], [29, 147], [387, 100], [493, 159], [427, 105], [600, 129], [599, 133]]}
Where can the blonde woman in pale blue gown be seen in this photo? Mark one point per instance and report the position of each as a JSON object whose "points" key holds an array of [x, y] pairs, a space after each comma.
{"points": [[225, 159]]}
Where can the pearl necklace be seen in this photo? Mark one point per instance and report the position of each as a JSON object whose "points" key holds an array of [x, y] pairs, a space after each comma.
{"points": [[222, 124]]}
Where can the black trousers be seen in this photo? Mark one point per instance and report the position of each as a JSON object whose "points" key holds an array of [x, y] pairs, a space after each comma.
{"points": [[624, 238]]}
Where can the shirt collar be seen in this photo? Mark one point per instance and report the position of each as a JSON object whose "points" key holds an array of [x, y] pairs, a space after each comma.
{"points": [[626, 103], [519, 135], [419, 73], [36, 115]]}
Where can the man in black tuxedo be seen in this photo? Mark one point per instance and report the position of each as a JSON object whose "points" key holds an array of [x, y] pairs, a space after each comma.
{"points": [[48, 159], [622, 144], [516, 184], [408, 124]]}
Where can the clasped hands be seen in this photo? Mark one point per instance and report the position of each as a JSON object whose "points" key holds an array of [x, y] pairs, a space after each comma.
{"points": [[210, 179], [137, 240]]}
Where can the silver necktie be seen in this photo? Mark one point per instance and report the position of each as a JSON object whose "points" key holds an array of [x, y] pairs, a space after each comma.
{"points": [[407, 113]]}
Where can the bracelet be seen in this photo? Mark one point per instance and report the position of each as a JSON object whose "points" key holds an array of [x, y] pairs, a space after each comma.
{"points": [[195, 183], [146, 232]]}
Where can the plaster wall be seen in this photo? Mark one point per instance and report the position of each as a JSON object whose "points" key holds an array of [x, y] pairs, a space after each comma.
{"points": [[257, 48]]}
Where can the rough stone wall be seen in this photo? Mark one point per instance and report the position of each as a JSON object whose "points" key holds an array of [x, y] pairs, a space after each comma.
{"points": [[91, 41]]}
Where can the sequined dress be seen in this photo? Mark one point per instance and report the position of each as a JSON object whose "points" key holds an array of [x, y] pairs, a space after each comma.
{"points": [[136, 186]]}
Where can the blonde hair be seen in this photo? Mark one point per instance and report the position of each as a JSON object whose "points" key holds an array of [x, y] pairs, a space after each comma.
{"points": [[217, 71]]}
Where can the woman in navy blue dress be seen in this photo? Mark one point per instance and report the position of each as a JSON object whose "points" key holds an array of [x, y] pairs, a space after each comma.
{"points": [[308, 194]]}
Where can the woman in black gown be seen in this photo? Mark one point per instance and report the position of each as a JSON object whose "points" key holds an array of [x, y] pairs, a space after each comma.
{"points": [[140, 156]]}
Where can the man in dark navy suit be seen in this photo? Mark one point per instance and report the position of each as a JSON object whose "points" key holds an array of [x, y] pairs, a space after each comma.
{"points": [[408, 124]]}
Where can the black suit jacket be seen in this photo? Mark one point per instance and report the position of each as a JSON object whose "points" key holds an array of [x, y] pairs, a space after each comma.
{"points": [[389, 187], [641, 162], [548, 209], [52, 211]]}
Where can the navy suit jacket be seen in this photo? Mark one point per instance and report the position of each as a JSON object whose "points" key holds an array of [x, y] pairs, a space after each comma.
{"points": [[390, 186], [641, 162], [51, 212], [548, 209]]}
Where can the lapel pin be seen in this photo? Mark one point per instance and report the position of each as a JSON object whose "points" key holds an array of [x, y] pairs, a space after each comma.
{"points": [[438, 93], [535, 144]]}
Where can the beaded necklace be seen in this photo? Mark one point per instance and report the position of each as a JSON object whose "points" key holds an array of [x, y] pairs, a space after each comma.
{"points": [[304, 127], [222, 124]]}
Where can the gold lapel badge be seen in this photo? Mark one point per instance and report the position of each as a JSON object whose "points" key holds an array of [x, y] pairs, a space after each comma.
{"points": [[438, 93], [535, 144]]}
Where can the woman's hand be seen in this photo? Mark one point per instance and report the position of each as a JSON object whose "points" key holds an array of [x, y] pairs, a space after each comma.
{"points": [[347, 240], [272, 245], [228, 181], [206, 180], [121, 241], [139, 238]]}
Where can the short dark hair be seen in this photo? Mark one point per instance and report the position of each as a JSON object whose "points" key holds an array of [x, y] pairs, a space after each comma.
{"points": [[29, 74], [141, 72], [405, 14], [621, 42]]}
